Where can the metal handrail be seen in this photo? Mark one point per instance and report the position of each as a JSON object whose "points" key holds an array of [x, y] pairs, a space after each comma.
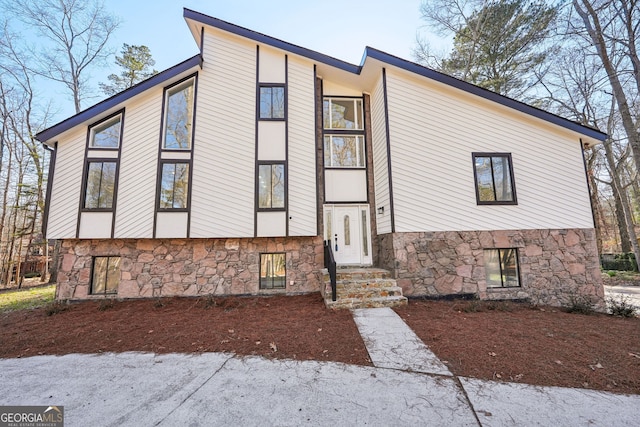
{"points": [[330, 265]]}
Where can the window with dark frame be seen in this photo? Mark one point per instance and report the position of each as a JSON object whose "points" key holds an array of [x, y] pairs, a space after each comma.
{"points": [[106, 134], [271, 103], [174, 186], [343, 124], [271, 186], [105, 277], [178, 116], [501, 268], [494, 179], [273, 271], [100, 185]]}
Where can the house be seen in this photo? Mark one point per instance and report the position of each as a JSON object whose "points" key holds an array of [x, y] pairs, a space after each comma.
{"points": [[226, 173]]}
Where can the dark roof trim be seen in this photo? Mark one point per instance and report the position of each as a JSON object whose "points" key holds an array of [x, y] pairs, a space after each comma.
{"points": [[271, 41], [484, 93], [397, 62], [57, 129]]}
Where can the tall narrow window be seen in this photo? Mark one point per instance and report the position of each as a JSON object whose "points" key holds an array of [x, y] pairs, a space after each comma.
{"points": [[273, 271], [271, 190], [365, 234], [100, 183], [174, 185], [347, 231], [178, 116], [494, 179], [106, 134], [272, 102], [106, 275], [501, 267]]}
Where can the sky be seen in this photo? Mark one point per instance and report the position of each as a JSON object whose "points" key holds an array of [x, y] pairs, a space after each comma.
{"points": [[338, 28]]}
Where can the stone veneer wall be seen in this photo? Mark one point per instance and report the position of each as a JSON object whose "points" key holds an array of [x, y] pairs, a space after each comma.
{"points": [[189, 267], [555, 265]]}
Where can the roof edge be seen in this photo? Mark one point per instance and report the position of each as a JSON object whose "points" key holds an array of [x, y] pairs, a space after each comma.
{"points": [[483, 93], [271, 41], [47, 134]]}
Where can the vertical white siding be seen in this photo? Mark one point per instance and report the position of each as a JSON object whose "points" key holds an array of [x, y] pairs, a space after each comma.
{"points": [[434, 129], [222, 204], [301, 159], [138, 167], [380, 168], [67, 180], [272, 68]]}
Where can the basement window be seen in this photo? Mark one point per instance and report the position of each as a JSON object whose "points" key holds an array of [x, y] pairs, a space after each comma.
{"points": [[106, 275], [273, 271], [501, 268]]}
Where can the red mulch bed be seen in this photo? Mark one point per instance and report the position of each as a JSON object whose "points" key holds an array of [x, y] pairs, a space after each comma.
{"points": [[521, 343], [500, 341]]}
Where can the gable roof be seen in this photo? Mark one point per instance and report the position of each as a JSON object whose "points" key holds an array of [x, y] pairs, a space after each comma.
{"points": [[48, 134], [396, 62]]}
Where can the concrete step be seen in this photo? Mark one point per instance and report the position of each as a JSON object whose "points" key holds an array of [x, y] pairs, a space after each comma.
{"points": [[353, 303], [362, 288]]}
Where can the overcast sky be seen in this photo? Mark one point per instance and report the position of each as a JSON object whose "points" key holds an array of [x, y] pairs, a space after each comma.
{"points": [[338, 28]]}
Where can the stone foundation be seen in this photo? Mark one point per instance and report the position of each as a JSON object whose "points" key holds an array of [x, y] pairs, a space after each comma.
{"points": [[556, 266], [189, 267]]}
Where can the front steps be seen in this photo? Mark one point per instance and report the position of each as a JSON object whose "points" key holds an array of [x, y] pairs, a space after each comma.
{"points": [[362, 288]]}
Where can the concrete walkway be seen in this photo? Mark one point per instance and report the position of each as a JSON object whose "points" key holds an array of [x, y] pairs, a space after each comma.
{"points": [[214, 389]]}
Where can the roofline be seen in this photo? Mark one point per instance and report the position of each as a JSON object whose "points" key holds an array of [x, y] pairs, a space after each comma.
{"points": [[101, 107], [271, 41], [400, 63], [483, 93]]}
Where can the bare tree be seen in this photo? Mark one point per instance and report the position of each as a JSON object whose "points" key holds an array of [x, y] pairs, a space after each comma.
{"points": [[77, 31]]}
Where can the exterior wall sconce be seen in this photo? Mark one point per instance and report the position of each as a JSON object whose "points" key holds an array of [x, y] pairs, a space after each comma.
{"points": [[381, 210]]}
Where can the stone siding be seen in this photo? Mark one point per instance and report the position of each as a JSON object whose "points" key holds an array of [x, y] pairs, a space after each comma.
{"points": [[189, 267], [556, 266]]}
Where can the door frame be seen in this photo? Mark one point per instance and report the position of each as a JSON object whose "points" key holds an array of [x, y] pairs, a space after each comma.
{"points": [[363, 231]]}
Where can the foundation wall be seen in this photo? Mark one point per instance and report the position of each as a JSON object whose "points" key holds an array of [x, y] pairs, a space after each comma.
{"points": [[555, 266], [189, 267]]}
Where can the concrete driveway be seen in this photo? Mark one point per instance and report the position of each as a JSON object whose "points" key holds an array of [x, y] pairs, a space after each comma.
{"points": [[631, 293]]}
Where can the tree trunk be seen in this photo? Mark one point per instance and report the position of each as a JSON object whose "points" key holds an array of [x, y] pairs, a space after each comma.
{"points": [[595, 200], [625, 241]]}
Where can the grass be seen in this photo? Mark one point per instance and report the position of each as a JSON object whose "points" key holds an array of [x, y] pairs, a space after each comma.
{"points": [[21, 299]]}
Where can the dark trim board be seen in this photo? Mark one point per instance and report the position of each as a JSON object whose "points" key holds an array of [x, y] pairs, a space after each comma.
{"points": [[388, 143], [47, 198], [586, 175]]}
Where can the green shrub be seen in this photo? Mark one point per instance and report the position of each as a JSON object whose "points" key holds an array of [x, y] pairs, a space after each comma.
{"points": [[31, 275], [612, 273]]}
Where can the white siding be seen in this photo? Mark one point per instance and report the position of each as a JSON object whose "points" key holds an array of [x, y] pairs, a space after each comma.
{"points": [[433, 132], [334, 89], [271, 224], [272, 140], [301, 160], [67, 180], [271, 66], [380, 168], [345, 185], [95, 225], [171, 225], [138, 167], [223, 188]]}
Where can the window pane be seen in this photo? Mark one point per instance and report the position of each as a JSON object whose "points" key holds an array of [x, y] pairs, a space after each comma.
{"points": [[107, 135], [277, 185], [343, 151], [347, 231], [99, 275], [113, 274], [264, 186], [365, 233], [492, 268], [179, 118], [484, 179], [174, 184], [100, 185], [502, 177], [277, 100], [343, 114], [272, 271], [265, 102], [272, 102], [509, 267]]}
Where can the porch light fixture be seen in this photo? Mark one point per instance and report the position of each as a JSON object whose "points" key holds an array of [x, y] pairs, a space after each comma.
{"points": [[381, 210]]}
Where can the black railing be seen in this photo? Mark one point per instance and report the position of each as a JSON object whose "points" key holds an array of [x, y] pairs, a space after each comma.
{"points": [[330, 265]]}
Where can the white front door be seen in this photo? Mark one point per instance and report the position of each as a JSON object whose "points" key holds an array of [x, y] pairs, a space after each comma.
{"points": [[347, 226]]}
